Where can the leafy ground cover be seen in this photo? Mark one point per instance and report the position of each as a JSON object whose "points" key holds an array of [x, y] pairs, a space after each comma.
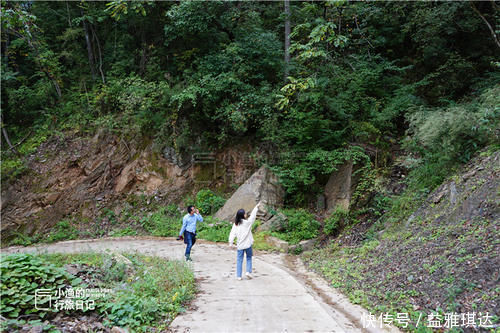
{"points": [[146, 293]]}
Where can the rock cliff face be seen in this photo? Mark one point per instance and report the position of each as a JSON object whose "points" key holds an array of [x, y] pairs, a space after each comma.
{"points": [[78, 176], [261, 186]]}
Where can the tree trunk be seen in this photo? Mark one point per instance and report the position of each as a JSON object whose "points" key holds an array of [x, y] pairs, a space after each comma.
{"points": [[7, 44], [142, 63], [4, 132], [94, 34], [492, 31], [287, 37], [90, 53], [69, 16]]}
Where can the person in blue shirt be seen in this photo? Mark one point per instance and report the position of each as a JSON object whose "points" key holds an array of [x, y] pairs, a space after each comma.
{"points": [[188, 230]]}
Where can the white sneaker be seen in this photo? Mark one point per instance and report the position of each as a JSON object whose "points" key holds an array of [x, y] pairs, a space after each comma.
{"points": [[248, 275], [239, 279]]}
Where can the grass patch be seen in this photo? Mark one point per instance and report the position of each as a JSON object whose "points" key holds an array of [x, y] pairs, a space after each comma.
{"points": [[64, 230], [260, 241]]}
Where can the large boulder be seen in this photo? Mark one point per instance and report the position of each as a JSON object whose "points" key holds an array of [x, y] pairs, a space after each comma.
{"points": [[261, 186], [340, 187]]}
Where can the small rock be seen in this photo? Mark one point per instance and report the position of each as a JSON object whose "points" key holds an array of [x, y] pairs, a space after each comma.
{"points": [[72, 269], [453, 194], [117, 329], [410, 220], [98, 326], [437, 198], [276, 223], [308, 244], [51, 198], [469, 175], [278, 243], [121, 259], [36, 329]]}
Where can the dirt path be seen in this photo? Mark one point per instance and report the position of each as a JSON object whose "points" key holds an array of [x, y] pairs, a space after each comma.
{"points": [[282, 296]]}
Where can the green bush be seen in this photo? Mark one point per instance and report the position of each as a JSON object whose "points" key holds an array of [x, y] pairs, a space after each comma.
{"points": [[214, 232], [143, 104], [22, 239], [63, 230], [162, 223], [128, 231], [301, 225], [12, 167], [172, 210], [336, 220], [444, 137], [22, 275], [208, 202], [303, 173]]}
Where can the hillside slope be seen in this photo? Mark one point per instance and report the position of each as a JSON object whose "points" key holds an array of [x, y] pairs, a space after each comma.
{"points": [[99, 183], [445, 258]]}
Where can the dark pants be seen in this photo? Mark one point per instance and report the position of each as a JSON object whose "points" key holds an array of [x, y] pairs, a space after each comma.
{"points": [[189, 240]]}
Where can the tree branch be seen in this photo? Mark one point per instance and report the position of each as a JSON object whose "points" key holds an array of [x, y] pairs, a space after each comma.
{"points": [[492, 31]]}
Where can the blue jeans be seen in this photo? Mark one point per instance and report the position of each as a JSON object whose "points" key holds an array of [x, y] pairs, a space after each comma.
{"points": [[189, 240], [239, 261]]}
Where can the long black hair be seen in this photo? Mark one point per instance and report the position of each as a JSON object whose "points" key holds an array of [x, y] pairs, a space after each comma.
{"points": [[240, 215]]}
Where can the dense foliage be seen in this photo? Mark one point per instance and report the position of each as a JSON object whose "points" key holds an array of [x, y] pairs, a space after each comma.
{"points": [[195, 75], [299, 225], [208, 202]]}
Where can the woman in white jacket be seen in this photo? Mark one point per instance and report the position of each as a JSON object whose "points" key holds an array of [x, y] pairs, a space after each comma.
{"points": [[242, 230]]}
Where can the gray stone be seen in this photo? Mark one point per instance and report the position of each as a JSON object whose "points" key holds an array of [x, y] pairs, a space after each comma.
{"points": [[278, 243], [308, 244], [261, 186], [453, 194], [410, 220], [437, 198], [305, 245], [72, 269], [121, 259], [276, 223], [469, 174], [340, 187], [36, 329]]}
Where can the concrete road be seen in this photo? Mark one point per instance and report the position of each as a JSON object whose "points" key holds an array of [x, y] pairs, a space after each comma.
{"points": [[282, 296]]}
